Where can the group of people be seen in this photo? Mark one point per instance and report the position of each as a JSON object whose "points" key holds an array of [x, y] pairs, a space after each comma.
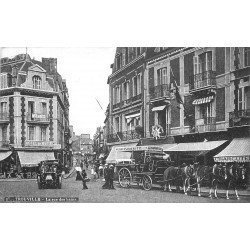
{"points": [[97, 170], [109, 177]]}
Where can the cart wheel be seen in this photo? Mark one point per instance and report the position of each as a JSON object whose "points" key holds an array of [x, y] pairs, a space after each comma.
{"points": [[59, 184], [125, 177], [39, 182], [146, 182]]}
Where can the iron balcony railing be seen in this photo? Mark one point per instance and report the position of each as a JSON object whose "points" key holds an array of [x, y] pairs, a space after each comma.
{"points": [[239, 118], [128, 101], [206, 79], [124, 136], [206, 124], [159, 91], [4, 116], [36, 117]]}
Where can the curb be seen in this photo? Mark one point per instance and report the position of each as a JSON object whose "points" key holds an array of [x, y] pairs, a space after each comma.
{"points": [[16, 180]]}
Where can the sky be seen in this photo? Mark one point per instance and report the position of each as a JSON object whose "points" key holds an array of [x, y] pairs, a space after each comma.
{"points": [[86, 71]]}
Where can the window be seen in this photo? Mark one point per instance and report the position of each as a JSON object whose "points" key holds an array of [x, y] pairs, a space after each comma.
{"points": [[246, 57], [4, 133], [135, 88], [203, 62], [118, 61], [37, 82], [31, 109], [162, 76], [204, 110], [43, 134], [31, 133], [125, 90], [44, 108], [242, 99], [117, 124], [3, 81], [116, 94], [139, 78], [123, 57], [3, 108]]}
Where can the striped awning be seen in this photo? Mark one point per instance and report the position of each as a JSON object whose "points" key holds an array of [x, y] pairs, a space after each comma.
{"points": [[4, 155], [203, 100], [237, 151]]}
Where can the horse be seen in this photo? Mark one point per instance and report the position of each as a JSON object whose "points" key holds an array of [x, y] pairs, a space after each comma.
{"points": [[236, 175], [204, 175], [173, 176], [190, 172], [219, 175]]}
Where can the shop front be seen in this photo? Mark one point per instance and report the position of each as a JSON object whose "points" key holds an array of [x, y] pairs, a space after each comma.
{"points": [[29, 160], [6, 161], [237, 152]]}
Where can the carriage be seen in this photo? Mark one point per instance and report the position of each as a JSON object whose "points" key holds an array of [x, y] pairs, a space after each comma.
{"points": [[146, 166]]}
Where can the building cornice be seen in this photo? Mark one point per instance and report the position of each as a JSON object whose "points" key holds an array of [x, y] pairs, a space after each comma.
{"points": [[127, 65]]}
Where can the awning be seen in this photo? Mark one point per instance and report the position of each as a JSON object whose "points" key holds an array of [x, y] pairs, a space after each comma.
{"points": [[33, 158], [4, 155], [195, 146], [203, 100], [237, 151], [132, 115], [165, 147], [115, 155], [159, 108]]}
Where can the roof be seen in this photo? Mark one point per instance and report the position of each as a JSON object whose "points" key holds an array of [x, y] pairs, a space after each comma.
{"points": [[195, 146], [237, 151], [8, 68]]}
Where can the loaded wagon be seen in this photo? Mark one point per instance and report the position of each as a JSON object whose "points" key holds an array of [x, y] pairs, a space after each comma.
{"points": [[146, 166]]}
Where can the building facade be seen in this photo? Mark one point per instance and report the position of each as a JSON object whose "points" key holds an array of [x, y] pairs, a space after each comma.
{"points": [[34, 111], [192, 94], [126, 96]]}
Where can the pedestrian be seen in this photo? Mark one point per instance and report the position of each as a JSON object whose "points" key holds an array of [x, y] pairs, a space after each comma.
{"points": [[111, 177], [97, 170], [81, 165], [106, 177], [84, 179]]}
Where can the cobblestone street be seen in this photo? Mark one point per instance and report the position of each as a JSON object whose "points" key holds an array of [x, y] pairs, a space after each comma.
{"points": [[72, 188]]}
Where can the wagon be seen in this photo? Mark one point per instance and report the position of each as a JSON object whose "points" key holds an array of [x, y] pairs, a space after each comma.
{"points": [[145, 168]]}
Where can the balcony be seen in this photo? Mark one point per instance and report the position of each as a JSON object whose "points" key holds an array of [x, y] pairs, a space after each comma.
{"points": [[124, 136], [201, 81], [207, 124], [4, 117], [128, 101], [4, 144], [239, 118], [159, 91], [37, 118]]}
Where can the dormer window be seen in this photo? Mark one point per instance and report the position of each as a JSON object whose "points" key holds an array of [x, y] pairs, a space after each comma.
{"points": [[37, 82]]}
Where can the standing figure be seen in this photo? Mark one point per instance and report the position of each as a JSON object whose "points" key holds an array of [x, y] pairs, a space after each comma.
{"points": [[111, 177], [106, 172], [84, 179]]}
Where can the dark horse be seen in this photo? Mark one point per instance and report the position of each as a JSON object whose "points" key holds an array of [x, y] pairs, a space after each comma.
{"points": [[236, 175], [173, 176]]}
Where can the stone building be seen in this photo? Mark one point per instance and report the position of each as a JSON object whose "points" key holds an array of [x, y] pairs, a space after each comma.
{"points": [[34, 112], [193, 95]]}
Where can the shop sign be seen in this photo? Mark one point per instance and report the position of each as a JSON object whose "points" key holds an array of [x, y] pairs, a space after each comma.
{"points": [[232, 159], [38, 116], [39, 143]]}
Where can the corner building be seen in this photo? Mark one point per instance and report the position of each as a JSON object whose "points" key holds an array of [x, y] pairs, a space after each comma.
{"points": [[34, 114]]}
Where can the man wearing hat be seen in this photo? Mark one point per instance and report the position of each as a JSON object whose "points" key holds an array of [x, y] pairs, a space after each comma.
{"points": [[106, 171], [111, 177]]}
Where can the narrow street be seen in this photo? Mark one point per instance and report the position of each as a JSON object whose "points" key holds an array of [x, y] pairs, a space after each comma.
{"points": [[72, 188]]}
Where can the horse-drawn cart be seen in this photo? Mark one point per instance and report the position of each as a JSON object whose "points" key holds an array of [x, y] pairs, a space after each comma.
{"points": [[146, 167]]}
